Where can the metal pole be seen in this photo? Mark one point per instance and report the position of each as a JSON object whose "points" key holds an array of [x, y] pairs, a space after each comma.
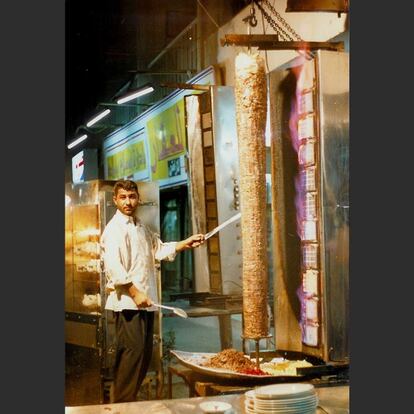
{"points": [[257, 354]]}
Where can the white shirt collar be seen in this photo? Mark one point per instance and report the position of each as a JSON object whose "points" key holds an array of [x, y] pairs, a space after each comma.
{"points": [[123, 218]]}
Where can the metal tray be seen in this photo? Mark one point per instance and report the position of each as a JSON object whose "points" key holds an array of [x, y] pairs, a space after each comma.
{"points": [[193, 360]]}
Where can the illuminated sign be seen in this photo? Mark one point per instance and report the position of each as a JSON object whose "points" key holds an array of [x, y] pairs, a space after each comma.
{"points": [[85, 166], [78, 168]]}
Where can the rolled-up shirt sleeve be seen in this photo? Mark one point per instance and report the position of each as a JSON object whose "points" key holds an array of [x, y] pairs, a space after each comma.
{"points": [[163, 250]]}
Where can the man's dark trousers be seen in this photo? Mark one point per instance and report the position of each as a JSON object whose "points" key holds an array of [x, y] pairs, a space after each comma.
{"points": [[134, 335]]}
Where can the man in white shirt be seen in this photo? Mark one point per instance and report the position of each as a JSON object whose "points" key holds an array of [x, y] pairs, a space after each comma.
{"points": [[130, 250]]}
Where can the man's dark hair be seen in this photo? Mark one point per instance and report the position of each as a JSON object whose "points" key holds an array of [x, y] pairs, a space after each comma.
{"points": [[127, 185]]}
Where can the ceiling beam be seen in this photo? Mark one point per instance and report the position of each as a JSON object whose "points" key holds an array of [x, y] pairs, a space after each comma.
{"points": [[272, 42]]}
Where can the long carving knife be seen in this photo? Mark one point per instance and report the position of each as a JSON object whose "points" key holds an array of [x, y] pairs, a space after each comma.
{"points": [[222, 225]]}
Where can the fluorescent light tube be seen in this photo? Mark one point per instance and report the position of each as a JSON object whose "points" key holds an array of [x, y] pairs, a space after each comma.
{"points": [[135, 94], [98, 117], [77, 141]]}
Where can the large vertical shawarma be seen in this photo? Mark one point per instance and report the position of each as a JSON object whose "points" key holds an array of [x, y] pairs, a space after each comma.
{"points": [[251, 110]]}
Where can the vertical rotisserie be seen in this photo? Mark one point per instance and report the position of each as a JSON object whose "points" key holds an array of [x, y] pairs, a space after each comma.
{"points": [[250, 93]]}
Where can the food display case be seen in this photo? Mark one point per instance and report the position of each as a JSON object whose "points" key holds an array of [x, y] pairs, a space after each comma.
{"points": [[89, 329], [88, 207]]}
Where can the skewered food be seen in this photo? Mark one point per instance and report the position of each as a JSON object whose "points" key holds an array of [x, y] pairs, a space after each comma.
{"points": [[251, 102]]}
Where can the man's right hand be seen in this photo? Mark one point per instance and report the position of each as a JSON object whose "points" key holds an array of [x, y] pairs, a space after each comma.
{"points": [[140, 298]]}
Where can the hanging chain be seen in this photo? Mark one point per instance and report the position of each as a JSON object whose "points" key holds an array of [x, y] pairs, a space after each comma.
{"points": [[281, 19], [278, 29]]}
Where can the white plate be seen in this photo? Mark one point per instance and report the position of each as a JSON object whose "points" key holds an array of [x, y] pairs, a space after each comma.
{"points": [[283, 391], [285, 410], [283, 407], [255, 404], [249, 404], [249, 394], [299, 411], [215, 407], [286, 401]]}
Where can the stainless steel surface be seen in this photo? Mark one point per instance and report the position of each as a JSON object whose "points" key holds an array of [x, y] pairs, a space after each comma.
{"points": [[196, 361], [148, 210], [332, 400], [327, 273], [85, 216], [227, 175], [333, 70], [286, 275], [222, 226], [85, 320], [196, 190]]}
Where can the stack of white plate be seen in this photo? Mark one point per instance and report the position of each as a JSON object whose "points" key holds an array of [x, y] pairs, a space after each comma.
{"points": [[295, 398]]}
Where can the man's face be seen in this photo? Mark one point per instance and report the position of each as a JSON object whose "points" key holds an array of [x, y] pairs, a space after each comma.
{"points": [[126, 201]]}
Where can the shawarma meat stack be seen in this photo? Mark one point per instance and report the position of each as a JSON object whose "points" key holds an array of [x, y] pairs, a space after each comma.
{"points": [[251, 108]]}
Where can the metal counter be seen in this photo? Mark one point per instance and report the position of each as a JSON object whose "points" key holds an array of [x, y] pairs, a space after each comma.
{"points": [[332, 400]]}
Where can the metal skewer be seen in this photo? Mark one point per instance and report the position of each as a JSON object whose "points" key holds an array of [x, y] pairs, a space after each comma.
{"points": [[257, 349], [257, 353]]}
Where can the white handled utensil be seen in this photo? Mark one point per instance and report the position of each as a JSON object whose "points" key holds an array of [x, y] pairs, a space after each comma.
{"points": [[222, 225], [177, 311]]}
